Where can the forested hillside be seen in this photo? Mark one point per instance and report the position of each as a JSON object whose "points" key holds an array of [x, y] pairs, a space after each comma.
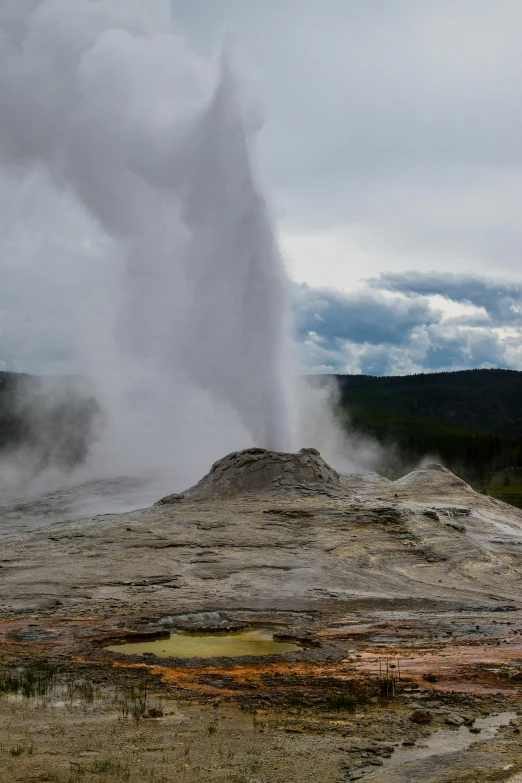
{"points": [[471, 420], [46, 421]]}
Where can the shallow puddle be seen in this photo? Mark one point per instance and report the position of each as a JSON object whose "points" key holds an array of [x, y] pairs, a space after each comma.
{"points": [[217, 644], [449, 740]]}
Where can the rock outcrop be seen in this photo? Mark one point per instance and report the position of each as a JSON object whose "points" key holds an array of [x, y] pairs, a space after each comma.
{"points": [[434, 480], [269, 529], [257, 471]]}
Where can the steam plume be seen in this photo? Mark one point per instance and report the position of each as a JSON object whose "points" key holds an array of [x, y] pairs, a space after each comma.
{"points": [[108, 104]]}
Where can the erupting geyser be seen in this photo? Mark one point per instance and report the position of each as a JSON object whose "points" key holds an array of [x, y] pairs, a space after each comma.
{"points": [[104, 102], [237, 319]]}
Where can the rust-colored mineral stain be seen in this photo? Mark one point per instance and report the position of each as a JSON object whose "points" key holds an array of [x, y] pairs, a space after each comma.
{"points": [[465, 664], [458, 666]]}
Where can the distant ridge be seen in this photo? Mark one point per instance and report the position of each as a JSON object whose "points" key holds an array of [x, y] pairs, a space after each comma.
{"points": [[481, 400], [452, 377], [471, 420]]}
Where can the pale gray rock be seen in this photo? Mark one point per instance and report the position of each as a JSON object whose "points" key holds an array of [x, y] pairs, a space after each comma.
{"points": [[256, 471], [279, 531]]}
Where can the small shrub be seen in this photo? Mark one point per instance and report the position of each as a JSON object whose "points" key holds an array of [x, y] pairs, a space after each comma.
{"points": [[389, 679], [297, 700], [35, 679], [341, 701], [110, 766]]}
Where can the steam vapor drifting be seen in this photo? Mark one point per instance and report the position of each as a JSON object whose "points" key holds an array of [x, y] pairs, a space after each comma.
{"points": [[107, 103], [181, 298]]}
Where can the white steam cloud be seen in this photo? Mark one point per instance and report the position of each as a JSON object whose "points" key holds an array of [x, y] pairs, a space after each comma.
{"points": [[322, 424], [136, 214], [186, 339]]}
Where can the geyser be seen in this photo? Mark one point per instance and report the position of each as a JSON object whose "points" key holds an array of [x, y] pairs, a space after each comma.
{"points": [[183, 323], [238, 313]]}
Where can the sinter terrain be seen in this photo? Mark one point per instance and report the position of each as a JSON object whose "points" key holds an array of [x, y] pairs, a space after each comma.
{"points": [[401, 602]]}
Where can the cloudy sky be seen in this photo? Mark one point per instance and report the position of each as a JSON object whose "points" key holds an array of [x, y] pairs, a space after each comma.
{"points": [[393, 151], [392, 154]]}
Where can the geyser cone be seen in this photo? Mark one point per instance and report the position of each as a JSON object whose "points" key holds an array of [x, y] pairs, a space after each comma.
{"points": [[263, 472]]}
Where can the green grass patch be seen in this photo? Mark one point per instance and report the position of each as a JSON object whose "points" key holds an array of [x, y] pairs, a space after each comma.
{"points": [[343, 701]]}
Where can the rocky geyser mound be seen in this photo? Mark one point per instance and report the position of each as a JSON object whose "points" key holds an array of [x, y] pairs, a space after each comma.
{"points": [[261, 472]]}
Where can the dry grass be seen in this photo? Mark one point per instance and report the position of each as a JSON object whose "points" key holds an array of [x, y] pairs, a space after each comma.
{"points": [[68, 730]]}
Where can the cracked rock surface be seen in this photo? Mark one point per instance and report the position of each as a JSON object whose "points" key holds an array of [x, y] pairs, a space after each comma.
{"points": [[265, 529], [256, 471]]}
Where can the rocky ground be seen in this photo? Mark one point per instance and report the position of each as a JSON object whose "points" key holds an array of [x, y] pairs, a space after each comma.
{"points": [[406, 595]]}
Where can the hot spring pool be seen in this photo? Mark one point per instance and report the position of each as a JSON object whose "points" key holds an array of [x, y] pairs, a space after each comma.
{"points": [[215, 644]]}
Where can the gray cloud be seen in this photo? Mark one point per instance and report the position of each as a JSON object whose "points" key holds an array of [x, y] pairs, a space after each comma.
{"points": [[458, 348], [394, 123], [400, 120], [360, 317], [396, 330], [501, 300]]}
